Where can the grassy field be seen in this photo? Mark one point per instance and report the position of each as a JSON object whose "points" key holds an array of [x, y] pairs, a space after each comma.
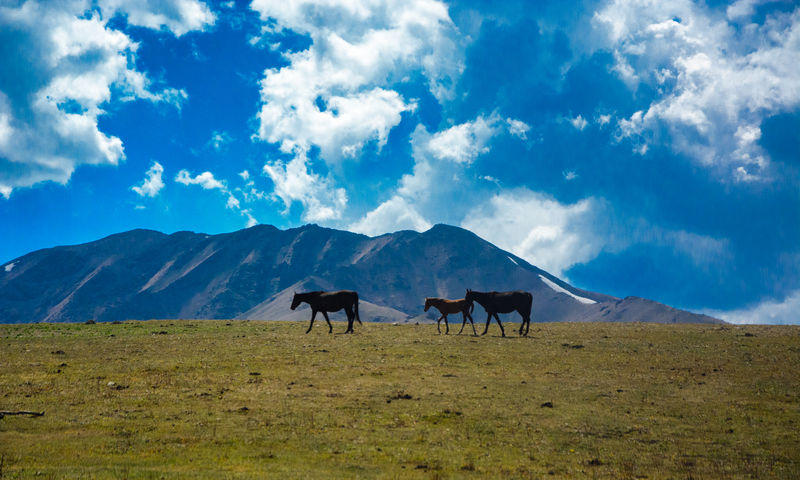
{"points": [[216, 399]]}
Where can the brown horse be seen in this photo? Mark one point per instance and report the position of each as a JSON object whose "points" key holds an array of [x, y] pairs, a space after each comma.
{"points": [[330, 302], [504, 302], [451, 306]]}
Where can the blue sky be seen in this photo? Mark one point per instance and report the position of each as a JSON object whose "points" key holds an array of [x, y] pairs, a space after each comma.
{"points": [[631, 147]]}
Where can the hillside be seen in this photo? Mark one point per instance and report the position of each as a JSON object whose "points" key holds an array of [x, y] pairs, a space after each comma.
{"points": [[252, 273]]}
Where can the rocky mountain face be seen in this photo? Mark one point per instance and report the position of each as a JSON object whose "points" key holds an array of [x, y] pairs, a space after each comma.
{"points": [[252, 274]]}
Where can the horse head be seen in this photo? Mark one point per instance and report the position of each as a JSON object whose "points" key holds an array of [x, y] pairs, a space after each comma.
{"points": [[295, 301], [469, 299], [428, 303]]}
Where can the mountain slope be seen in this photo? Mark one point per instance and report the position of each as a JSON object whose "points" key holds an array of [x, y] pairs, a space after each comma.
{"points": [[251, 273]]}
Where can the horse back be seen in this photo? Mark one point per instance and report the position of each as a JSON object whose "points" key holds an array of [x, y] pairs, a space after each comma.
{"points": [[507, 302], [335, 301]]}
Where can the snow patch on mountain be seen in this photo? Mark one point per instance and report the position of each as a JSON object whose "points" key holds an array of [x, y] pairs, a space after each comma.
{"points": [[559, 289]]}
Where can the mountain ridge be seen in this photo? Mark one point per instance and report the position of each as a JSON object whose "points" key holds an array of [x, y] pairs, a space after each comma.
{"points": [[143, 274]]}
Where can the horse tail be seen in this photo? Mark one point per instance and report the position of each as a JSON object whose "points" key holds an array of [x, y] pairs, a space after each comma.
{"points": [[355, 308]]}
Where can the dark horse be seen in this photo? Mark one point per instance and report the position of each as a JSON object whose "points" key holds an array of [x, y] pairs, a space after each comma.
{"points": [[330, 302], [451, 306], [504, 302]]}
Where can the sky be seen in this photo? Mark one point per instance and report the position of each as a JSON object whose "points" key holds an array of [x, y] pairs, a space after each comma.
{"points": [[630, 147]]}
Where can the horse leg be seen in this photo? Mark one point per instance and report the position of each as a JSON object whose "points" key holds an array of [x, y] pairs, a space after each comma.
{"points": [[330, 327], [446, 326], [438, 322], [501, 325], [474, 332], [488, 320], [522, 325], [350, 317], [313, 314], [463, 316]]}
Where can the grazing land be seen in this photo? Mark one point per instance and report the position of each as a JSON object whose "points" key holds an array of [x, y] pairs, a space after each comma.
{"points": [[217, 399]]}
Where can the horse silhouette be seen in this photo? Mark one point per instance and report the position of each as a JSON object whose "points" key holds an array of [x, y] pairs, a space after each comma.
{"points": [[503, 302], [325, 302], [446, 307]]}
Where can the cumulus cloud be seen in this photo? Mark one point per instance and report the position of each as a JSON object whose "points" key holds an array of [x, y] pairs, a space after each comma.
{"points": [[390, 216], [578, 122], [338, 95], [205, 180], [775, 312], [549, 234], [464, 142], [439, 177], [556, 236], [152, 184], [63, 65], [295, 183], [742, 9], [715, 82], [335, 94], [177, 16]]}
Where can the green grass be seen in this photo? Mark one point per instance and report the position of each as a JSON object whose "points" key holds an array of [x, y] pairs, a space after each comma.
{"points": [[216, 399]]}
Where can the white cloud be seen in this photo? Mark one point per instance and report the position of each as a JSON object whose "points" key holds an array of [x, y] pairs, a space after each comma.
{"points": [[713, 79], [440, 176], [741, 9], [205, 180], [251, 221], [556, 236], [440, 161], [337, 95], [208, 181], [518, 128], [294, 183], [603, 120], [784, 312], [177, 16], [334, 95], [152, 184], [548, 234], [578, 122], [219, 140], [464, 142], [390, 216], [245, 175], [68, 65], [569, 175], [742, 175]]}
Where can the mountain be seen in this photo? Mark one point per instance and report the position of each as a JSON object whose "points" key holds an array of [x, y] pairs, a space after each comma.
{"points": [[252, 274]]}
